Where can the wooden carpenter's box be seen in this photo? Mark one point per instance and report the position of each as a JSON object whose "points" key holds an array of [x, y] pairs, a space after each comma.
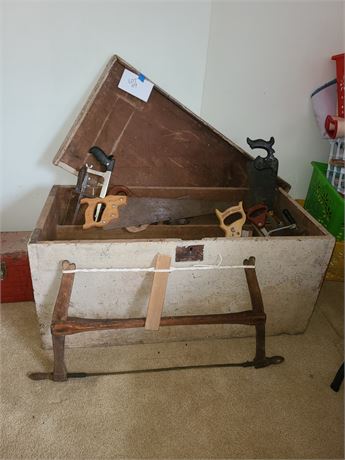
{"points": [[164, 150]]}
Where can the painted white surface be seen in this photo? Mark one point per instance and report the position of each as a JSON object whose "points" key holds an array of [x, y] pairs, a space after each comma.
{"points": [[289, 270], [264, 60], [54, 51]]}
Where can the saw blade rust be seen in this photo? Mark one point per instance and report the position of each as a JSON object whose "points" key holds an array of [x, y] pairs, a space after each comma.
{"points": [[144, 211]]}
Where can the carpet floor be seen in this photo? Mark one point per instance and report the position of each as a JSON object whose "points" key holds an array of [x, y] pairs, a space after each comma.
{"points": [[280, 412]]}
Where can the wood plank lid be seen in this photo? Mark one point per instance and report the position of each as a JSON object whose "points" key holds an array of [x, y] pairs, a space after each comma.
{"points": [[155, 143]]}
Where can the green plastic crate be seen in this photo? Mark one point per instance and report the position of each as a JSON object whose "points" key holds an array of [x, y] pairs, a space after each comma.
{"points": [[324, 202]]}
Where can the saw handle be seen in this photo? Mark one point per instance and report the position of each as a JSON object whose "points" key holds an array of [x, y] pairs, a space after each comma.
{"points": [[235, 228], [257, 214], [105, 160], [262, 144], [110, 212], [288, 217]]}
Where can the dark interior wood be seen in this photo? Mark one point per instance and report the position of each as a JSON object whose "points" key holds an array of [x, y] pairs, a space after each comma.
{"points": [[304, 223], [184, 232], [53, 213], [158, 143]]}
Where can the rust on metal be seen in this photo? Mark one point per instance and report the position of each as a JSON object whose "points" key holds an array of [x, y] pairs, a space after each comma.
{"points": [[63, 325], [193, 252]]}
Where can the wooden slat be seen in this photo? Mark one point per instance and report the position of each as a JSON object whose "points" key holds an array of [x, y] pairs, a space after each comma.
{"points": [[60, 311], [75, 325], [60, 314], [157, 296], [186, 232]]}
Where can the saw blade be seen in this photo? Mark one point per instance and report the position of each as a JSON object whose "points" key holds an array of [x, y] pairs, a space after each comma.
{"points": [[143, 211]]}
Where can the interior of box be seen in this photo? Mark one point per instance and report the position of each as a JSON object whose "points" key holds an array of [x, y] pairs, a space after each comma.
{"points": [[56, 220], [163, 150]]}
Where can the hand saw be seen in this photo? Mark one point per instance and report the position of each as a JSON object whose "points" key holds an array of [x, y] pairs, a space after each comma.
{"points": [[262, 175], [88, 179], [142, 211], [234, 228]]}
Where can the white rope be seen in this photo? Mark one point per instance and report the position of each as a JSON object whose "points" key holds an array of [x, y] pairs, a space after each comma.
{"points": [[218, 266]]}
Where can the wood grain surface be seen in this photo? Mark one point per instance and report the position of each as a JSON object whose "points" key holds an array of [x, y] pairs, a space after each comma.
{"points": [[157, 295]]}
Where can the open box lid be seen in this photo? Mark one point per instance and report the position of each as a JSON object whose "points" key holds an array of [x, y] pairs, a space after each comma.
{"points": [[155, 143]]}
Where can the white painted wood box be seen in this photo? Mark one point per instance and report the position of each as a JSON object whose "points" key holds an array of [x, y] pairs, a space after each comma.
{"points": [[163, 150]]}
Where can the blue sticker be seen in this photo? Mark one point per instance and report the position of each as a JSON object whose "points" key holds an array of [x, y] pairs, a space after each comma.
{"points": [[141, 77]]}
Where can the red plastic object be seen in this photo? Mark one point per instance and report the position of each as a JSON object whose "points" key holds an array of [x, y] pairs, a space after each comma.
{"points": [[15, 284], [334, 126], [339, 60]]}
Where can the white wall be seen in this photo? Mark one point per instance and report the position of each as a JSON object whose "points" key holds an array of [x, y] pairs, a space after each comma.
{"points": [[53, 53], [264, 60]]}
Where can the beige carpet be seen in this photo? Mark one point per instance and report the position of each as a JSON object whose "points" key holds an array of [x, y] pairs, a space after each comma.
{"points": [[285, 411]]}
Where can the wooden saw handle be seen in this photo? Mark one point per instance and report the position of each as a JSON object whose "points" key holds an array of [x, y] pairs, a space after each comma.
{"points": [[111, 211], [235, 228]]}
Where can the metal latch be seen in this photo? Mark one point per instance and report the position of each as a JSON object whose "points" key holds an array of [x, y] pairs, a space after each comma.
{"points": [[189, 253]]}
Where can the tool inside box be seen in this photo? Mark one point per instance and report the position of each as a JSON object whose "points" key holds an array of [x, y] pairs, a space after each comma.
{"points": [[55, 223], [159, 149]]}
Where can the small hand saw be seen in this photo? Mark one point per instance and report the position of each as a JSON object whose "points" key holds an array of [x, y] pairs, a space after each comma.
{"points": [[144, 211]]}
